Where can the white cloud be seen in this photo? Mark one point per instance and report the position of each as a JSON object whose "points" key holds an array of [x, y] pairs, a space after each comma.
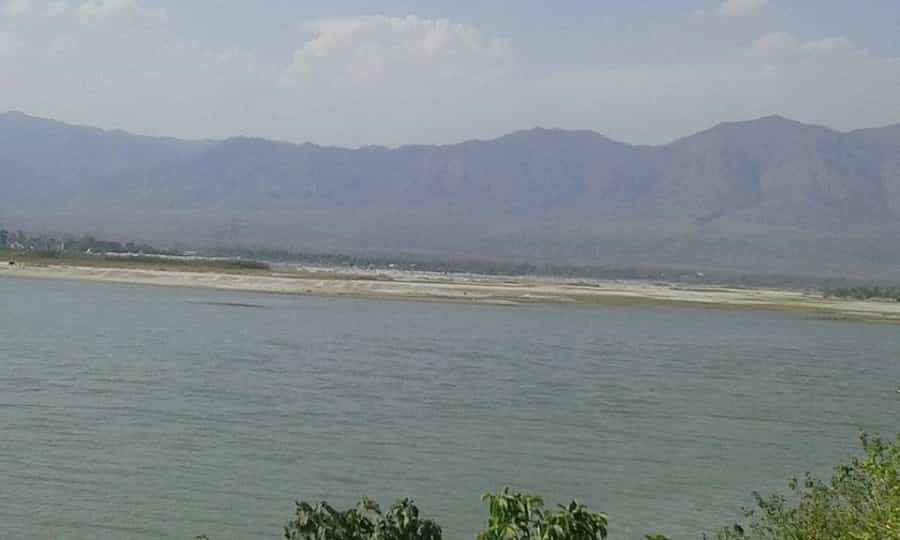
{"points": [[825, 81], [774, 42], [133, 9], [117, 65], [16, 7], [58, 8], [740, 8], [8, 43], [353, 73], [29, 7], [785, 43], [827, 45], [395, 80], [105, 8], [410, 52]]}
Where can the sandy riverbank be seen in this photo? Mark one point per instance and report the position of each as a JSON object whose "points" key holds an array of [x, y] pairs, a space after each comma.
{"points": [[473, 289]]}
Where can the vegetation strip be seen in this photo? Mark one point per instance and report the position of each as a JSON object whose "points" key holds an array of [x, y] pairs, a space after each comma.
{"points": [[861, 501]]}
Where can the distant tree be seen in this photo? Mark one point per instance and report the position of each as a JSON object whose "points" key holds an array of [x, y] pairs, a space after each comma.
{"points": [[4, 237], [87, 242], [865, 293]]}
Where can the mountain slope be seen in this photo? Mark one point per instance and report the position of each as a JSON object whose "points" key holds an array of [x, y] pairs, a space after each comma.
{"points": [[764, 195]]}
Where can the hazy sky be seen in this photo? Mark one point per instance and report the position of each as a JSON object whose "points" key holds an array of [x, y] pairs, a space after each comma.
{"points": [[348, 73]]}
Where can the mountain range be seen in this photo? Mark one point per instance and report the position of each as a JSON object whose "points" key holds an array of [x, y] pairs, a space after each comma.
{"points": [[765, 195]]}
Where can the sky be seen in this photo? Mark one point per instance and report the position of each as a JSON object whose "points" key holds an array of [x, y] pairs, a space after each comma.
{"points": [[354, 73]]}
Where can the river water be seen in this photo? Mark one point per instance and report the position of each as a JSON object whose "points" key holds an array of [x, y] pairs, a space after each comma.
{"points": [[132, 412]]}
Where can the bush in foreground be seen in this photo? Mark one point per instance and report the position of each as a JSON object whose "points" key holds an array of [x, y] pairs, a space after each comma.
{"points": [[860, 502], [516, 516], [365, 521]]}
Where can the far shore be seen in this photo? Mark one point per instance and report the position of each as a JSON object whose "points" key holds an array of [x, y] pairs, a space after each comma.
{"points": [[469, 288]]}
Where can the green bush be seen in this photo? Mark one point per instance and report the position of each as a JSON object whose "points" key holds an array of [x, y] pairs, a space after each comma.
{"points": [[860, 502], [517, 516], [365, 521]]}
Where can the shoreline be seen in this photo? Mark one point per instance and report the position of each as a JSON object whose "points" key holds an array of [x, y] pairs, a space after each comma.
{"points": [[472, 288]]}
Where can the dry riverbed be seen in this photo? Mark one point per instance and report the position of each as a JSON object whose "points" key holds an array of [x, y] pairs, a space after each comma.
{"points": [[502, 290]]}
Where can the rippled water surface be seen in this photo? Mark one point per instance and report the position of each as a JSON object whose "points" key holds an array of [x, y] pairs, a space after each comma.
{"points": [[136, 413]]}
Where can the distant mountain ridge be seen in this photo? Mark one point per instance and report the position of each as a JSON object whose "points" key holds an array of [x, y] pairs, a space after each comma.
{"points": [[769, 194]]}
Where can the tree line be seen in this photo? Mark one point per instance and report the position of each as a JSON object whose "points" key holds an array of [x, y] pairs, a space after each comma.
{"points": [[46, 245], [865, 293], [54, 246]]}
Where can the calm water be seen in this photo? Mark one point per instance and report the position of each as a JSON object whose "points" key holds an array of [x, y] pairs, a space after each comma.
{"points": [[137, 413]]}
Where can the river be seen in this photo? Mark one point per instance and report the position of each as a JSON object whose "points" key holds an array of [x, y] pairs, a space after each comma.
{"points": [[131, 412]]}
